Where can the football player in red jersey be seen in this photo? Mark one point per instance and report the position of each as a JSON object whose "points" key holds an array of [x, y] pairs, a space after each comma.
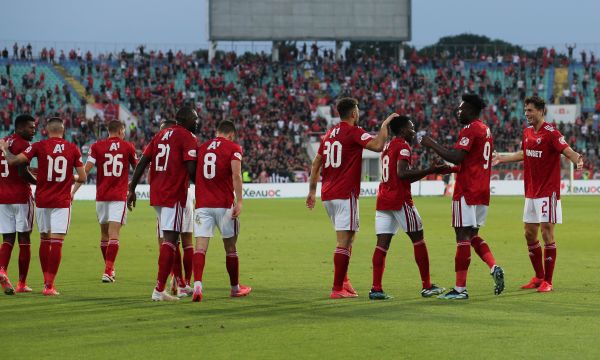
{"points": [[395, 208], [112, 156], [473, 152], [219, 204], [540, 152], [56, 160], [172, 155], [340, 156], [16, 206]]}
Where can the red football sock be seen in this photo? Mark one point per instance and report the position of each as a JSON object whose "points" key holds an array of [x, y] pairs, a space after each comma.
{"points": [[346, 279], [45, 245], [54, 260], [103, 248], [5, 252], [535, 255], [341, 259], [188, 258], [24, 260], [461, 262], [549, 261], [422, 260], [233, 267], [378, 267], [111, 255], [176, 270], [483, 250], [198, 263], [165, 263]]}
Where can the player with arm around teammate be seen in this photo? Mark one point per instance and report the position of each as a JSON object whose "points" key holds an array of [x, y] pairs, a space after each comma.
{"points": [[219, 204], [395, 208], [56, 160], [541, 148], [471, 198], [112, 157], [340, 158]]}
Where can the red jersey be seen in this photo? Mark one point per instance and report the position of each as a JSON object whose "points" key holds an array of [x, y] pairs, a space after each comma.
{"points": [[13, 189], [541, 161], [393, 192], [112, 158], [473, 178], [341, 149], [168, 151], [214, 182], [56, 160]]}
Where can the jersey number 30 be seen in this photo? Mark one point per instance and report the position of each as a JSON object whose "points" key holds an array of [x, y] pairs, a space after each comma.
{"points": [[333, 154]]}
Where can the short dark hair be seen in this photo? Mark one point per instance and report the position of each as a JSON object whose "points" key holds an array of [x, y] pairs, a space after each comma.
{"points": [[476, 103], [186, 113], [536, 101], [114, 126], [345, 106], [226, 127], [22, 120], [398, 123]]}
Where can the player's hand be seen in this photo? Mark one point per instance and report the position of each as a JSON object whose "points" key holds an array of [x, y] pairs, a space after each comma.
{"points": [[495, 158], [310, 200], [389, 118], [580, 162], [237, 209], [426, 141], [3, 145], [131, 200]]}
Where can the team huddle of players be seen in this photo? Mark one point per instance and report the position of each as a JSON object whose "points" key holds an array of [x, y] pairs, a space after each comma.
{"points": [[175, 158]]}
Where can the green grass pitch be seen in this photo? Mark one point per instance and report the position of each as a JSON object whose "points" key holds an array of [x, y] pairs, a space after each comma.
{"points": [[286, 255]]}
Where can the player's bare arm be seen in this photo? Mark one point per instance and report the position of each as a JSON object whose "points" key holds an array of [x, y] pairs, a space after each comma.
{"points": [[312, 183], [191, 168], [11, 158], [509, 158], [88, 168], [575, 157], [378, 142], [26, 174], [405, 173], [454, 156], [236, 174], [137, 175]]}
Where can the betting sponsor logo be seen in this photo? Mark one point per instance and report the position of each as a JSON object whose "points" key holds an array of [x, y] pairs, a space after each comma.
{"points": [[262, 194], [534, 153]]}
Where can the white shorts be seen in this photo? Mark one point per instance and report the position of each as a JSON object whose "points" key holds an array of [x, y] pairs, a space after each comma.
{"points": [[542, 210], [16, 217], [54, 221], [169, 218], [206, 219], [188, 214], [389, 221], [464, 215], [111, 211], [343, 213]]}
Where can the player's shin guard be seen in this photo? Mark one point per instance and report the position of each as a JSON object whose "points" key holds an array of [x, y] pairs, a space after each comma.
{"points": [[378, 267], [341, 259], [549, 261], [165, 263], [45, 245], [5, 252], [483, 250], [54, 260], [24, 260], [198, 263], [461, 262], [177, 270], [233, 268], [422, 260], [111, 255], [188, 256], [103, 248], [535, 255]]}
